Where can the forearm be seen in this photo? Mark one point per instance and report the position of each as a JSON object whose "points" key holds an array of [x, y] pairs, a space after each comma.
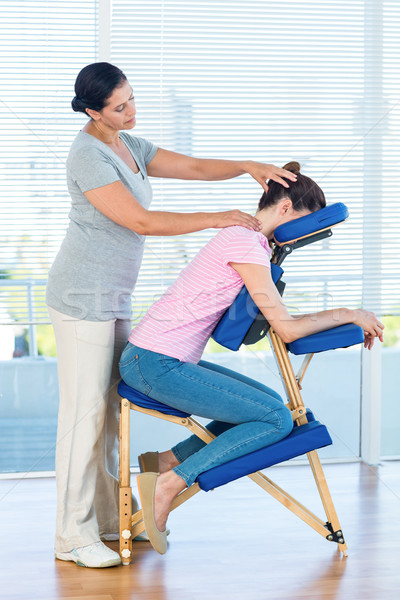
{"points": [[209, 169], [214, 170], [298, 326], [156, 223]]}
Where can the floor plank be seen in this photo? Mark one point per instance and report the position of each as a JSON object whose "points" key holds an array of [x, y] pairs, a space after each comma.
{"points": [[233, 543]]}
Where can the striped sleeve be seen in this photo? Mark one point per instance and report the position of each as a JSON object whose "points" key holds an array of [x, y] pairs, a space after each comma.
{"points": [[246, 246]]}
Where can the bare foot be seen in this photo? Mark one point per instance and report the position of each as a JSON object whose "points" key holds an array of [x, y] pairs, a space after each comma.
{"points": [[167, 461], [168, 486]]}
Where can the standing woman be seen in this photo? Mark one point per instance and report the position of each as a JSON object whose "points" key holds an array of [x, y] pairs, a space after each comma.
{"points": [[89, 293]]}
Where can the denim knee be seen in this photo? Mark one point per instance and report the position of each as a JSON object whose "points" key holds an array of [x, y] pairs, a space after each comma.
{"points": [[286, 420]]}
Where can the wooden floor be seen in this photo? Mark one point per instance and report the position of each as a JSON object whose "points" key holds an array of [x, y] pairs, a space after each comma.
{"points": [[233, 543]]}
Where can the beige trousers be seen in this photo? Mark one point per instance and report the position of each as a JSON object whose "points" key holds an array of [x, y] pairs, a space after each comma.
{"points": [[88, 353]]}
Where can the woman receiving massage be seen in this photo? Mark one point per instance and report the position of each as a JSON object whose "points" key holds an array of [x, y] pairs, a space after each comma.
{"points": [[162, 357]]}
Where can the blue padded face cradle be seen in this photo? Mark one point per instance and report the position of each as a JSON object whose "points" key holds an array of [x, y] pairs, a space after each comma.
{"points": [[320, 219], [237, 320], [302, 439], [338, 337], [125, 391]]}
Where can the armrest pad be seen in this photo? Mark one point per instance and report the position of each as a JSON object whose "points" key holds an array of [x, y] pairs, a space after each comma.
{"points": [[342, 336]]}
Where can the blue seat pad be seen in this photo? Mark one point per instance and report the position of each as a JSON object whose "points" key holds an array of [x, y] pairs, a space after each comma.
{"points": [[311, 436], [320, 219], [234, 324], [338, 337], [125, 391]]}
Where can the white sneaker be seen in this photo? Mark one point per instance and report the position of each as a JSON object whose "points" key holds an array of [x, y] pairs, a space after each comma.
{"points": [[96, 556]]}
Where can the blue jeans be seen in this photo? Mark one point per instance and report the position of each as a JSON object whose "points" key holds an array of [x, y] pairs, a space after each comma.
{"points": [[247, 414]]}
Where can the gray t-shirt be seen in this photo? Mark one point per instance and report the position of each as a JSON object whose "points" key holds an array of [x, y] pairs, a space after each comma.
{"points": [[95, 270]]}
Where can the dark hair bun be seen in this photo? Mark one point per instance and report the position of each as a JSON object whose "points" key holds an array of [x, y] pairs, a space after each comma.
{"points": [[94, 85], [293, 167], [78, 105]]}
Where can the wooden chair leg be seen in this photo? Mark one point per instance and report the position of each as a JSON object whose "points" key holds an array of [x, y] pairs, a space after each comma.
{"points": [[333, 521], [125, 490], [289, 502], [292, 386]]}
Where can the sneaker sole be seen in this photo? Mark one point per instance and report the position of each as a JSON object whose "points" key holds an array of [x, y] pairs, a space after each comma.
{"points": [[114, 562]]}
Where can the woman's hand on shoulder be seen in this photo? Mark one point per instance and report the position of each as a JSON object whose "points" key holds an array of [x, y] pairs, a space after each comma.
{"points": [[373, 328], [235, 217], [261, 172]]}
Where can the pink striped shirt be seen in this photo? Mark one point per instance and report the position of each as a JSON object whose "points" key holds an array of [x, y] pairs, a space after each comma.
{"points": [[181, 322]]}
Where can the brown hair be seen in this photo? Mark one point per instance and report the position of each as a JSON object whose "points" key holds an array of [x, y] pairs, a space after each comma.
{"points": [[304, 193]]}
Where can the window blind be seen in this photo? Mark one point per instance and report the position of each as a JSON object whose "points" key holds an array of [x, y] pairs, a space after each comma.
{"points": [[275, 81], [43, 45], [263, 80]]}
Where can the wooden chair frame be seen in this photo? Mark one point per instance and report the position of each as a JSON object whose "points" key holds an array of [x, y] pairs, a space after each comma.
{"points": [[132, 525]]}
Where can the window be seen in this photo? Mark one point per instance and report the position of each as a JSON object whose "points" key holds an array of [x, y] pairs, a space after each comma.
{"points": [[43, 44], [262, 80]]}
